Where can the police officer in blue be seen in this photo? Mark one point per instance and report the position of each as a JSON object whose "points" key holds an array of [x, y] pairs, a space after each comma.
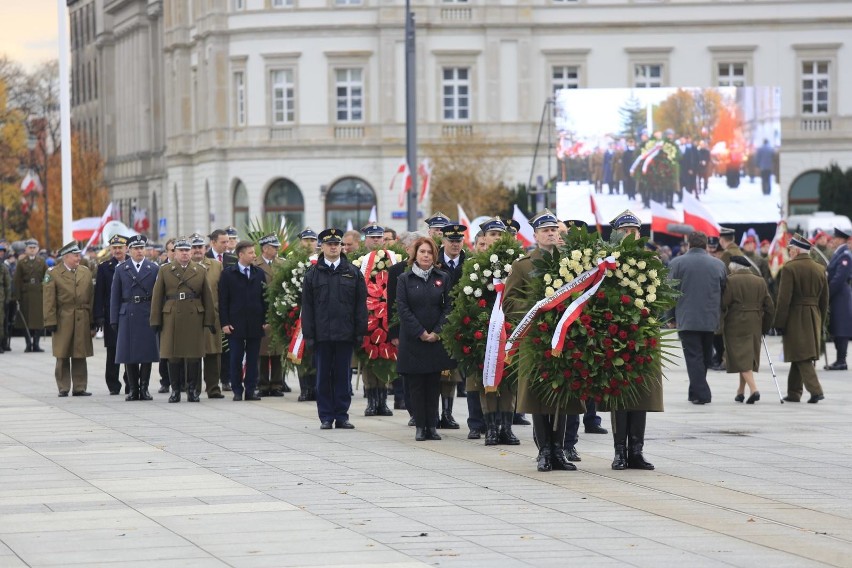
{"points": [[334, 320], [129, 315], [840, 297], [436, 223], [103, 287]]}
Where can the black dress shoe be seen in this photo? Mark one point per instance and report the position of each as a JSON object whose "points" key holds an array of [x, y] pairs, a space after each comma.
{"points": [[63, 394], [420, 435], [572, 455], [755, 396], [238, 396], [345, 424], [285, 388], [596, 429], [84, 393], [114, 392], [276, 392], [815, 398], [252, 397], [263, 393], [216, 395], [37, 349], [836, 366], [698, 401], [739, 398], [519, 420], [474, 434], [326, 425], [432, 434], [226, 388], [559, 461], [788, 398], [163, 389], [411, 421]]}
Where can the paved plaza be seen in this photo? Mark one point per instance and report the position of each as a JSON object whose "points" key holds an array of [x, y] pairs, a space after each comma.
{"points": [[98, 481]]}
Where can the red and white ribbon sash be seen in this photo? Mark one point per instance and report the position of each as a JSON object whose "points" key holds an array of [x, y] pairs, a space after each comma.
{"points": [[370, 262], [650, 154], [495, 360], [572, 312], [564, 292], [296, 349]]}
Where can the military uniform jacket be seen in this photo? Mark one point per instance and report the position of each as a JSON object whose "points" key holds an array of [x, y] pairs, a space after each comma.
{"points": [[801, 308], [747, 312], [269, 270], [67, 302], [516, 303], [213, 341], [183, 305], [130, 309], [27, 290], [5, 285], [839, 292], [103, 289]]}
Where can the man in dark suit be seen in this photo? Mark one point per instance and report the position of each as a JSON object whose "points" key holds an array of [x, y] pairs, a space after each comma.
{"points": [[627, 160], [242, 312], [689, 168], [701, 280], [103, 290]]}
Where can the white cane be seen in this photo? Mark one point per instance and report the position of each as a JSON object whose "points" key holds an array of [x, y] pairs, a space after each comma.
{"points": [[771, 368]]}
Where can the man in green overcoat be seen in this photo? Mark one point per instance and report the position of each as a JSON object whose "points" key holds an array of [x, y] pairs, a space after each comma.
{"points": [[801, 308], [27, 292]]}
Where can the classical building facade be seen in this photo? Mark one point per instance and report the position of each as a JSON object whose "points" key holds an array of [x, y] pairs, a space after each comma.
{"points": [[213, 112]]}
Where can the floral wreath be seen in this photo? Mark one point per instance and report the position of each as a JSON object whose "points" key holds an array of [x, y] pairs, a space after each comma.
{"points": [[465, 334], [284, 296], [658, 165], [616, 345], [376, 350]]}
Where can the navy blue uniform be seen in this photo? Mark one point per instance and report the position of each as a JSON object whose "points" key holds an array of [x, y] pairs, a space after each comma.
{"points": [[840, 295], [130, 310]]}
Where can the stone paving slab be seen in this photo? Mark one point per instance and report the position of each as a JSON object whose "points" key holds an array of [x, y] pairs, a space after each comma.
{"points": [[98, 481]]}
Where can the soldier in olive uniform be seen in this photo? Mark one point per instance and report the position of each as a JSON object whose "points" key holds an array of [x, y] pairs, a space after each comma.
{"points": [[27, 292], [5, 296], [271, 378], [307, 370], [181, 308], [67, 302], [549, 422], [758, 262], [213, 342], [801, 308]]}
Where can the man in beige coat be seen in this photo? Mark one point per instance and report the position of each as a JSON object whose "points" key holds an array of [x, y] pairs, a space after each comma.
{"points": [[67, 297], [271, 378], [181, 309]]}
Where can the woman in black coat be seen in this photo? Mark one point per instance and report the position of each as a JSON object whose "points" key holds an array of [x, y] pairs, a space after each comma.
{"points": [[423, 303]]}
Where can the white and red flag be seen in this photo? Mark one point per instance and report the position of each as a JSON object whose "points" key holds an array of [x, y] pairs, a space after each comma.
{"points": [[661, 218], [31, 183], [526, 234], [402, 172], [374, 216], [105, 218], [596, 211], [424, 171], [464, 220], [695, 214], [140, 220]]}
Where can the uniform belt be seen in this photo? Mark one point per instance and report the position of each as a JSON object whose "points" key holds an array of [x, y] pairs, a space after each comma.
{"points": [[805, 303], [136, 299], [182, 296]]}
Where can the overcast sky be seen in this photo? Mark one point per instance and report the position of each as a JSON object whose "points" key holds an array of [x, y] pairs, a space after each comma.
{"points": [[28, 30]]}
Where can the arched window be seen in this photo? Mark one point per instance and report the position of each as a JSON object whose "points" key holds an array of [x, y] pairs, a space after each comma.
{"points": [[284, 199], [349, 199], [241, 207], [804, 193]]}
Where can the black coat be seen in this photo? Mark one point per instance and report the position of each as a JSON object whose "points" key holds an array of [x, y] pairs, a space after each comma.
{"points": [[334, 303], [456, 273], [422, 306], [394, 272], [242, 302], [103, 292]]}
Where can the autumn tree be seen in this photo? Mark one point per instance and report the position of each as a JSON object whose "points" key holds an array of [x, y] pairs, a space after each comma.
{"points": [[12, 149], [469, 171]]}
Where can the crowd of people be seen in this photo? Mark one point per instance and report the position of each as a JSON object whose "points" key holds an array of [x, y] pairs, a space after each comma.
{"points": [[201, 312]]}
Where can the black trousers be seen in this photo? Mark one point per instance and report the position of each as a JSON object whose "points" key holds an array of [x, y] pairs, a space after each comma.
{"points": [[250, 347], [164, 372], [112, 371], [425, 392], [841, 344], [572, 429], [475, 418], [698, 353]]}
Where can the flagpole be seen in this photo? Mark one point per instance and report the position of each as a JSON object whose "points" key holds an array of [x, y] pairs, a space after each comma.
{"points": [[411, 114], [65, 123]]}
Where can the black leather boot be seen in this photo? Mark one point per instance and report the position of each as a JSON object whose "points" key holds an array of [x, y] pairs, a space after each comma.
{"points": [[506, 435], [28, 339], [636, 440], [558, 458], [382, 401], [193, 380], [371, 402], [544, 439], [619, 437], [36, 339], [144, 379], [492, 434], [132, 381], [419, 434], [175, 380], [447, 420]]}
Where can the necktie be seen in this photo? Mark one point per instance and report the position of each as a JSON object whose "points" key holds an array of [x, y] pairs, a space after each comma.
{"points": [[246, 270], [220, 257], [138, 266], [452, 264]]}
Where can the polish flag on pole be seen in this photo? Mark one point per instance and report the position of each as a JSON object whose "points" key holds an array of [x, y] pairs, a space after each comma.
{"points": [[661, 218], [695, 214], [405, 172], [140, 221], [374, 216], [31, 183], [596, 211], [105, 218], [526, 234], [464, 220], [424, 171]]}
